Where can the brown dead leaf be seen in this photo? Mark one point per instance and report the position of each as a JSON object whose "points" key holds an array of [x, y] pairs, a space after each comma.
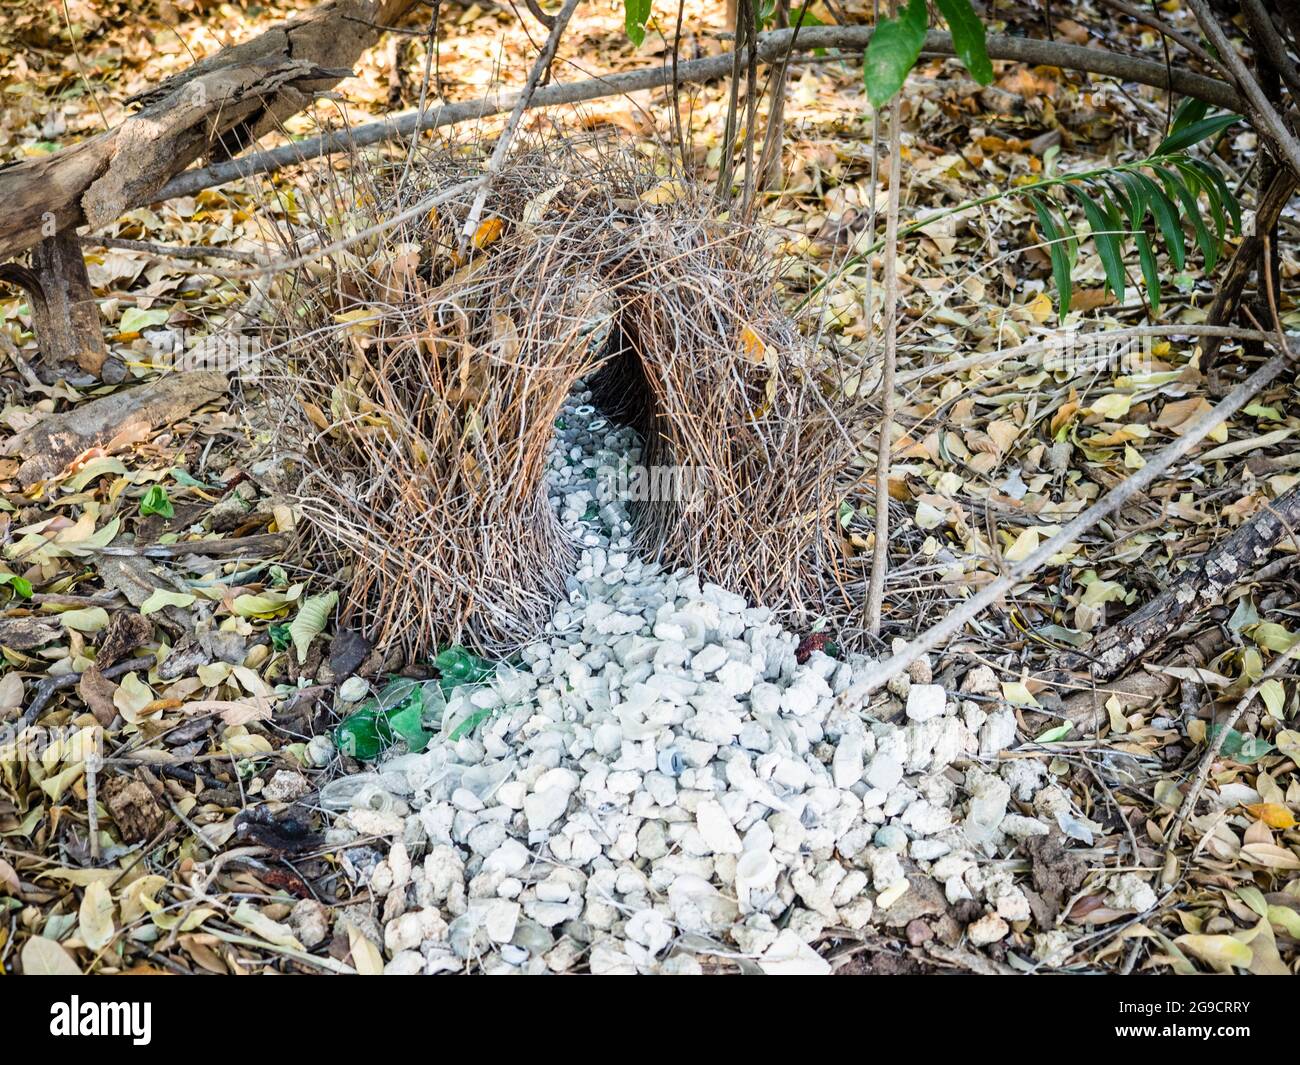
{"points": [[97, 691]]}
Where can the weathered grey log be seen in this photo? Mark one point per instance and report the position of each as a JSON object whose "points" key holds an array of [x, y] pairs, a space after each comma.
{"points": [[214, 108], [1203, 585], [57, 439]]}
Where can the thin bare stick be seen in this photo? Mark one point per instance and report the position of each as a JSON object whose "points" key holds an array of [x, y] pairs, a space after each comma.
{"points": [[92, 801], [502, 148], [884, 438], [169, 251], [1112, 336], [1203, 773], [382, 226], [954, 622], [727, 165], [429, 53], [1165, 30]]}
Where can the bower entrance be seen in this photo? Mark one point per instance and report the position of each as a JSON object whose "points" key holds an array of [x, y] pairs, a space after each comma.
{"points": [[428, 418]]}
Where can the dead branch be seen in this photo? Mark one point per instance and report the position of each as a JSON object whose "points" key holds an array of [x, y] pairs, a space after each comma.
{"points": [[216, 107], [884, 441], [1204, 585], [1263, 114], [771, 46], [57, 439], [502, 149]]}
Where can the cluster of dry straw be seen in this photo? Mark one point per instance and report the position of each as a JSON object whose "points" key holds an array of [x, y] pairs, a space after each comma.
{"points": [[423, 381]]}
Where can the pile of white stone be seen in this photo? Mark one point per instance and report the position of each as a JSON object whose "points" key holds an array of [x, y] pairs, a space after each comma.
{"points": [[658, 780]]}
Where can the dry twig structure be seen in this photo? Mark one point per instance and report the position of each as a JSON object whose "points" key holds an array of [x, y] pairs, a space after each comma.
{"points": [[422, 388]]}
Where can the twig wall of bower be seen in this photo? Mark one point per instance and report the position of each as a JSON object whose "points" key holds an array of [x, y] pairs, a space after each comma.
{"points": [[426, 434]]}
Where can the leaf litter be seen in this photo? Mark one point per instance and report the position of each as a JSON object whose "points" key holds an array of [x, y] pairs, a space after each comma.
{"points": [[165, 550]]}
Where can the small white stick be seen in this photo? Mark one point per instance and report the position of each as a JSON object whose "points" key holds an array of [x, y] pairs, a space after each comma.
{"points": [[92, 798], [884, 437]]}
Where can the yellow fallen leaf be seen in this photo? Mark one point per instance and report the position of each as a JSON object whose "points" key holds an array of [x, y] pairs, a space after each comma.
{"points": [[1026, 544], [665, 192], [1221, 953], [751, 345], [488, 231], [132, 697], [95, 917], [132, 902], [1115, 405], [1273, 814], [365, 955], [1015, 692], [359, 322], [89, 619]]}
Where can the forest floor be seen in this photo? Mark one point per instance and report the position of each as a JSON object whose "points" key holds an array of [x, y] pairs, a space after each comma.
{"points": [[192, 847]]}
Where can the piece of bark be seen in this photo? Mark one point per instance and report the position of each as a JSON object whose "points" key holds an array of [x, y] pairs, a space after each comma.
{"points": [[1086, 710], [212, 109], [26, 634], [57, 439], [133, 808], [1203, 585], [127, 630]]}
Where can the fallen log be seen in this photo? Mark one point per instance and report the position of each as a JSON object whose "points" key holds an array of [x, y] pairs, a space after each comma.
{"points": [[57, 439], [215, 108], [1203, 585]]}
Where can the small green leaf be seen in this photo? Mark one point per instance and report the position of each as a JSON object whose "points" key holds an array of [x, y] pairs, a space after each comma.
{"points": [[181, 476], [1056, 249], [1195, 133], [1166, 216], [1211, 175], [1055, 735], [1106, 235], [1197, 184], [968, 38], [636, 13], [1150, 271], [156, 502], [893, 51], [1240, 747], [21, 585], [1135, 204], [1192, 211], [1189, 111]]}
